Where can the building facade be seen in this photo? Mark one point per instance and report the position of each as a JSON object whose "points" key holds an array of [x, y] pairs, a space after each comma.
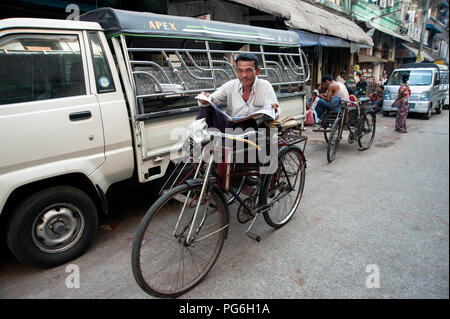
{"points": [[376, 35], [397, 28]]}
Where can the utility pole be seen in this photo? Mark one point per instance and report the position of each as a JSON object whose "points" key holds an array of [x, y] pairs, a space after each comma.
{"points": [[424, 22]]}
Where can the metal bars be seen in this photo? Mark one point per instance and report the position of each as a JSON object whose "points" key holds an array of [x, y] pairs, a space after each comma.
{"points": [[162, 72]]}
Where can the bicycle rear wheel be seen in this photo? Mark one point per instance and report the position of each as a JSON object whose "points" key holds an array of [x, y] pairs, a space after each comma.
{"points": [[284, 188], [164, 262], [326, 133], [366, 130], [334, 139]]}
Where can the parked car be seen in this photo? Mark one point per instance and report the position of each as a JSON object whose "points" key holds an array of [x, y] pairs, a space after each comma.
{"points": [[86, 104], [424, 82]]}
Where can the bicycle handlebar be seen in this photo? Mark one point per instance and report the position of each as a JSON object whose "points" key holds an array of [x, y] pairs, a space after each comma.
{"points": [[240, 137]]}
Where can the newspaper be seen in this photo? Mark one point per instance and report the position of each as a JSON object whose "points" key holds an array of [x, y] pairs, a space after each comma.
{"points": [[265, 110]]}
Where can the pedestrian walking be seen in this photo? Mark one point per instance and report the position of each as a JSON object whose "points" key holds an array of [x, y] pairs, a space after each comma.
{"points": [[403, 106]]}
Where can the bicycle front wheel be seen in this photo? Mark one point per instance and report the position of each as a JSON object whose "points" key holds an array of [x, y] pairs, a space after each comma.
{"points": [[168, 259], [366, 130], [284, 188], [334, 139]]}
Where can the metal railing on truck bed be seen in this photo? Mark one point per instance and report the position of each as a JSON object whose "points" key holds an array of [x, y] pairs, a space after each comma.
{"points": [[170, 58]]}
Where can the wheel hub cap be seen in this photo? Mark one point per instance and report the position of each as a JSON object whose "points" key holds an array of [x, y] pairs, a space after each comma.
{"points": [[58, 229]]}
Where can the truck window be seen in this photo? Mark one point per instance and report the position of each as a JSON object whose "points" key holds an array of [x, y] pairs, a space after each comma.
{"points": [[103, 77], [416, 77], [40, 67]]}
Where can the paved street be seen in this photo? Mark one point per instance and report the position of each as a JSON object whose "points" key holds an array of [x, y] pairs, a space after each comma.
{"points": [[385, 209]]}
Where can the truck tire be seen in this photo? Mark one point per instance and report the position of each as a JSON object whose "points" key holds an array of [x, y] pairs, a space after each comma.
{"points": [[52, 226], [427, 115], [439, 108]]}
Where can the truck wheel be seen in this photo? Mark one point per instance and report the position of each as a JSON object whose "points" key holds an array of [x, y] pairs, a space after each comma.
{"points": [[52, 226], [439, 108], [427, 115], [385, 113]]}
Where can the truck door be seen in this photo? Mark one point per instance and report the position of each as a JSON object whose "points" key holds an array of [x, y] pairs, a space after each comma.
{"points": [[49, 120]]}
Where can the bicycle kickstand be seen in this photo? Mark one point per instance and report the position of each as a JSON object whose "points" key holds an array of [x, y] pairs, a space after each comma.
{"points": [[250, 234]]}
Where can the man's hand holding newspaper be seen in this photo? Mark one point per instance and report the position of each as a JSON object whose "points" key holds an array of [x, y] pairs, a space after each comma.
{"points": [[269, 110]]}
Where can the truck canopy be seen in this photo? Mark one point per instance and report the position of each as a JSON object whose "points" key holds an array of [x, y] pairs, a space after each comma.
{"points": [[419, 65], [120, 22]]}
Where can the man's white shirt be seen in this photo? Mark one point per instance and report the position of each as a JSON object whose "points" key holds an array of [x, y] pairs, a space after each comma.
{"points": [[230, 94]]}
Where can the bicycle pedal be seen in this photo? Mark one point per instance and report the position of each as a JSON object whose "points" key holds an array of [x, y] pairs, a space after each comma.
{"points": [[254, 236]]}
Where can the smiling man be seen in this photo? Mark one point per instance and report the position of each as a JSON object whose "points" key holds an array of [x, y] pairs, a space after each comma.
{"points": [[241, 95]]}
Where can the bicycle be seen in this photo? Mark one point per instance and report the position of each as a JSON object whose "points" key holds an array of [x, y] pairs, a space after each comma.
{"points": [[182, 234], [357, 117]]}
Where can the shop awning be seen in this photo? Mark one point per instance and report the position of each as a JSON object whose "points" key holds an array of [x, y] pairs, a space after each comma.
{"points": [[327, 41], [388, 31], [370, 59], [301, 15], [432, 27], [415, 52], [308, 39]]}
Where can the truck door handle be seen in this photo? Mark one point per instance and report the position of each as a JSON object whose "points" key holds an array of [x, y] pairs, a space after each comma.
{"points": [[78, 116]]}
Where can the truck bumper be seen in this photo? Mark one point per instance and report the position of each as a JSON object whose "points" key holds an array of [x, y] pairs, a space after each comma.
{"points": [[414, 107]]}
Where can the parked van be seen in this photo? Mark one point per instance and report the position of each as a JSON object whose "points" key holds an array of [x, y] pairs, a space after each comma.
{"points": [[86, 104], [424, 82], [444, 86]]}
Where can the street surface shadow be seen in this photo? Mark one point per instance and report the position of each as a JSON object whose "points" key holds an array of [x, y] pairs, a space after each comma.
{"points": [[383, 144]]}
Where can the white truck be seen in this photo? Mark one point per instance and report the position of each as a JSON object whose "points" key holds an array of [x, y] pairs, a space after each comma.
{"points": [[425, 83], [86, 104]]}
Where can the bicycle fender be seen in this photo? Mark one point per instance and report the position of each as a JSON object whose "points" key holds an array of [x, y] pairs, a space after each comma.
{"points": [[281, 149], [194, 182], [369, 107]]}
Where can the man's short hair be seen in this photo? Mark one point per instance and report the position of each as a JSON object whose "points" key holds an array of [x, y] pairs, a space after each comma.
{"points": [[247, 57], [343, 72], [327, 77]]}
